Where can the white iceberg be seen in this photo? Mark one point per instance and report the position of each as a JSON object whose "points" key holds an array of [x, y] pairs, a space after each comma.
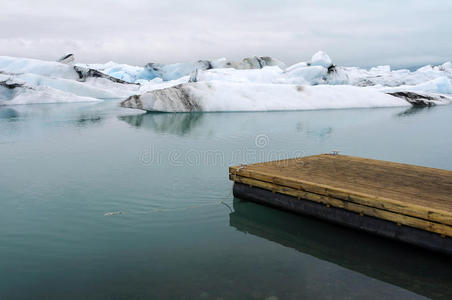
{"points": [[14, 92], [254, 83], [321, 59], [178, 70], [384, 76], [264, 75], [440, 85], [124, 72], [99, 88], [231, 96], [18, 65], [40, 81], [306, 75]]}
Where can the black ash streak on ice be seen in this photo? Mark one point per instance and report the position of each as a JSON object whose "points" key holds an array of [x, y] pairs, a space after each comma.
{"points": [[10, 84], [84, 73], [172, 96], [417, 99]]}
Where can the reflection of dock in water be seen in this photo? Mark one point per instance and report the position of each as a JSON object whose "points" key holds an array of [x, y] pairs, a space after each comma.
{"points": [[408, 267]]}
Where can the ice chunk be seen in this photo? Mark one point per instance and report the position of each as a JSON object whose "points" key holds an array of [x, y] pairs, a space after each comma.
{"points": [[441, 85], [84, 73], [230, 96], [124, 72], [17, 65], [380, 69], [13, 92], [306, 75], [297, 65], [175, 71], [178, 70], [384, 76], [112, 213], [37, 75], [255, 62], [264, 75], [446, 67], [95, 87], [321, 59]]}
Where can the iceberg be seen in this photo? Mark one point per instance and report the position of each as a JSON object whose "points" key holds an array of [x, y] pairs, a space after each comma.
{"points": [[321, 59], [14, 92], [217, 96], [306, 75], [37, 81], [384, 76], [18, 65], [169, 72], [253, 83], [440, 85], [265, 75], [126, 73], [178, 70]]}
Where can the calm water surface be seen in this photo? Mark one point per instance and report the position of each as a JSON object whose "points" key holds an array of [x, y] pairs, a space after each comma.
{"points": [[100, 202]]}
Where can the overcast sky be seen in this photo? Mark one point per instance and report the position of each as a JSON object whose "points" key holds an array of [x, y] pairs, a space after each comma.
{"points": [[352, 32]]}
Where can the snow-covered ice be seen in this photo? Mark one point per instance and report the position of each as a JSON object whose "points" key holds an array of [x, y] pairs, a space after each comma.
{"points": [[321, 59], [253, 83], [14, 91], [40, 81], [18, 65], [232, 96]]}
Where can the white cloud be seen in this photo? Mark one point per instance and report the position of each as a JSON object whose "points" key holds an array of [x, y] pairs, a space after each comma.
{"points": [[138, 31]]}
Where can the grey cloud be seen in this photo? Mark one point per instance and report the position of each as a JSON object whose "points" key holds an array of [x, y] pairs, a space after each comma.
{"points": [[136, 31]]}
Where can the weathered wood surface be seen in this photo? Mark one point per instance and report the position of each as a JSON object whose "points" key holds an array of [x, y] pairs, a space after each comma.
{"points": [[411, 195]]}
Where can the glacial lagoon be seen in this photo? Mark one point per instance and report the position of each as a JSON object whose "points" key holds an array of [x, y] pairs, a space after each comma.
{"points": [[103, 202]]}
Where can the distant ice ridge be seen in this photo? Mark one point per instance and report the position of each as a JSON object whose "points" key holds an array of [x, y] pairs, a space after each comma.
{"points": [[261, 83], [316, 84], [175, 71]]}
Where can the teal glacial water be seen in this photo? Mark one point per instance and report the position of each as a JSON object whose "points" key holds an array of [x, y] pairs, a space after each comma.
{"points": [[101, 202]]}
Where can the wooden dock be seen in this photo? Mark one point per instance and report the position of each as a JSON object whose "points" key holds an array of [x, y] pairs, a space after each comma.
{"points": [[405, 202]]}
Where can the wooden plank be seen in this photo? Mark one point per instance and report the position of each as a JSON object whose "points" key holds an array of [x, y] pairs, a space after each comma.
{"points": [[350, 206], [411, 190], [378, 202], [365, 174]]}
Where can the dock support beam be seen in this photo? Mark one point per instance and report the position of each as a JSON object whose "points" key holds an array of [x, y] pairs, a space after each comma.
{"points": [[414, 236]]}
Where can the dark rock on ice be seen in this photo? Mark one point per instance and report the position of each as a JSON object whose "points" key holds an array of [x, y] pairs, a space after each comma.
{"points": [[67, 59], [84, 73], [175, 98], [420, 99], [11, 84]]}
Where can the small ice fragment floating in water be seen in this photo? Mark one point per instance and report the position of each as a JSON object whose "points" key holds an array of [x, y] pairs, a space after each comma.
{"points": [[252, 84], [113, 213]]}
